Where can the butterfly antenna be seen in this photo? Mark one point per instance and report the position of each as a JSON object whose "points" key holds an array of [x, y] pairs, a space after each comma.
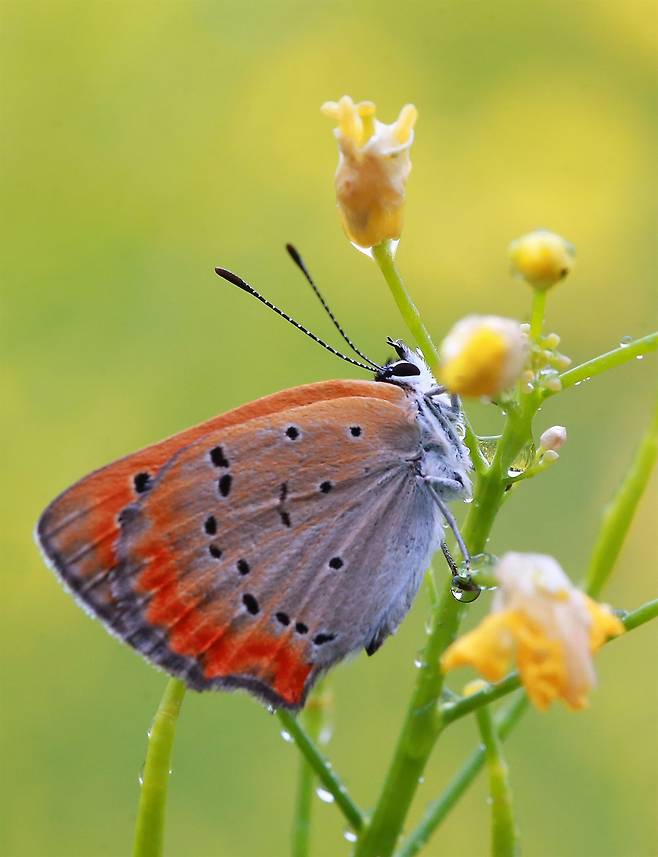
{"points": [[297, 259], [240, 283]]}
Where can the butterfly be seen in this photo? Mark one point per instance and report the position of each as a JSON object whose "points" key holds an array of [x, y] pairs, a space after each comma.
{"points": [[258, 549]]}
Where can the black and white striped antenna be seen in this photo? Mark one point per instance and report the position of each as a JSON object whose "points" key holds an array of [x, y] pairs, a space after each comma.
{"points": [[230, 277], [297, 259]]}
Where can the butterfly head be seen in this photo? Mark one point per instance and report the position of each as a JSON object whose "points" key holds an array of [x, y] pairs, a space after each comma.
{"points": [[409, 370]]}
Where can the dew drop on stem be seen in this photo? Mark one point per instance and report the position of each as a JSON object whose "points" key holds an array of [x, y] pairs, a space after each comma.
{"points": [[324, 795]]}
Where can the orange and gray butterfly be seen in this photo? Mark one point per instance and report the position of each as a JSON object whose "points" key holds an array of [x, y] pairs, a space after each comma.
{"points": [[261, 547]]}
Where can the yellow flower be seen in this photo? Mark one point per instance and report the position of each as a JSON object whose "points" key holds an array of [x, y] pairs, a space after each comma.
{"points": [[550, 627], [373, 166], [541, 258], [482, 355]]}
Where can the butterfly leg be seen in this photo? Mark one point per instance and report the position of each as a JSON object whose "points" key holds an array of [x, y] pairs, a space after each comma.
{"points": [[448, 516], [449, 557]]}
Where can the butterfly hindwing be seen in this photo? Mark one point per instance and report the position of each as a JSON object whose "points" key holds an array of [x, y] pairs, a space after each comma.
{"points": [[266, 552], [166, 546]]}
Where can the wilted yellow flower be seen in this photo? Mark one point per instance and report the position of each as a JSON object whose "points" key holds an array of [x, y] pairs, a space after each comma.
{"points": [[482, 355], [551, 628], [541, 258], [373, 166]]}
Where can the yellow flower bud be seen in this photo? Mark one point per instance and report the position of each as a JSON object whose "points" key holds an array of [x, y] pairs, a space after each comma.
{"points": [[373, 167], [482, 355], [541, 258]]}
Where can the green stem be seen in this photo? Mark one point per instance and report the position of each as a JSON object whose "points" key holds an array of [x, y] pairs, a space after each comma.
{"points": [[324, 773], [537, 314], [385, 259], [486, 494], [616, 357], [314, 717], [383, 255], [149, 831], [455, 710], [423, 722], [439, 809], [504, 839], [643, 614], [619, 512]]}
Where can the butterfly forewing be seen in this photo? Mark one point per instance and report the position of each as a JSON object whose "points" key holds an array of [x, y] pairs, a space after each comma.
{"points": [[262, 548]]}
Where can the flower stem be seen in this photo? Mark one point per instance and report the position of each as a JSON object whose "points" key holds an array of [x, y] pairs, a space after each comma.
{"points": [[537, 314], [504, 837], [439, 809], [383, 255], [609, 360], [643, 614], [324, 773], [385, 259], [423, 723], [619, 512], [149, 831], [460, 708], [314, 716]]}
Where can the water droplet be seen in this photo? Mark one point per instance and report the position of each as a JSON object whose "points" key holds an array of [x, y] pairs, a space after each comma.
{"points": [[350, 835], [464, 590], [578, 383], [625, 340], [367, 251], [421, 780], [287, 737], [488, 446], [589, 378], [468, 500], [325, 734], [488, 800], [271, 709], [324, 795], [149, 733], [140, 776], [460, 431], [523, 460], [419, 663], [639, 356]]}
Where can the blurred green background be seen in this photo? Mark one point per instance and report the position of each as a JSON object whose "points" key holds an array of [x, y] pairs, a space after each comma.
{"points": [[143, 143]]}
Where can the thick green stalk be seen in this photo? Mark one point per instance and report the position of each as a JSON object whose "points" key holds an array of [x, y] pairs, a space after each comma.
{"points": [[504, 838], [324, 773], [314, 718], [619, 512], [149, 832], [439, 809], [423, 722]]}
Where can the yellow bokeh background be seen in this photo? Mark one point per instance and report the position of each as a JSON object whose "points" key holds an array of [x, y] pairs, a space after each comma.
{"points": [[146, 142]]}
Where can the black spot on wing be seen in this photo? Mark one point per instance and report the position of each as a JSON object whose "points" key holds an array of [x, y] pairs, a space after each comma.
{"points": [[142, 482]]}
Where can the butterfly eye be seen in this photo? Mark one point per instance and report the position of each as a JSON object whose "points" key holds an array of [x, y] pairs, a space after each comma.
{"points": [[403, 369]]}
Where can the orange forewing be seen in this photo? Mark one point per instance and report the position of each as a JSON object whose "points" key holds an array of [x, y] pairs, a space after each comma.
{"points": [[84, 518]]}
